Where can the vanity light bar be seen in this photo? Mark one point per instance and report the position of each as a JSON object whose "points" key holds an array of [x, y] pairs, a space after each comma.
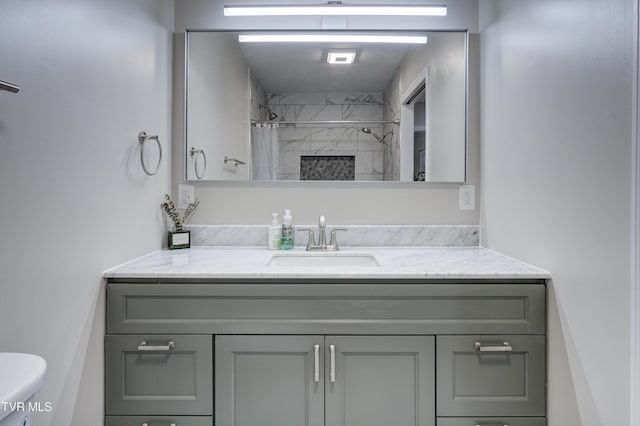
{"points": [[331, 38], [334, 9]]}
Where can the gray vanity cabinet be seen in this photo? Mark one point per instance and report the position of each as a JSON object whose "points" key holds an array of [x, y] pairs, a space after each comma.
{"points": [[389, 352], [325, 381]]}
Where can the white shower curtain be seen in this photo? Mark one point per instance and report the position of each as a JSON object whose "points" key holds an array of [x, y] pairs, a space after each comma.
{"points": [[265, 151]]}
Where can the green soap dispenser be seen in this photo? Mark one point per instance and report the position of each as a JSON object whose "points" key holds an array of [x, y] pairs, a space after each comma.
{"points": [[288, 237]]}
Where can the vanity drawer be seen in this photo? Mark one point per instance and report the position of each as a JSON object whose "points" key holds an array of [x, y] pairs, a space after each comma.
{"points": [[158, 421], [159, 374], [479, 376], [313, 307], [491, 421]]}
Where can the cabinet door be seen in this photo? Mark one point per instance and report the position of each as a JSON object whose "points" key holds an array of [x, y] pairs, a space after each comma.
{"points": [[269, 381], [380, 381], [159, 375], [491, 376]]}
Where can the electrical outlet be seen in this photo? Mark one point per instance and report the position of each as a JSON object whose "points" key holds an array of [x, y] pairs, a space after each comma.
{"points": [[466, 197], [186, 195]]}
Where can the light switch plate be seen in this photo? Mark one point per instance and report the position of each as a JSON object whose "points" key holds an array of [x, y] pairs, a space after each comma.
{"points": [[186, 195], [466, 197]]}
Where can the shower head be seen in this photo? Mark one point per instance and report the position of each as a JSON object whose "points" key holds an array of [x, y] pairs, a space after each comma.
{"points": [[272, 115], [370, 132]]}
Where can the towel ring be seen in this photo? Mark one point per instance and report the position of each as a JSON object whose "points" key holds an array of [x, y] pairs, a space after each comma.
{"points": [[194, 153], [143, 138]]}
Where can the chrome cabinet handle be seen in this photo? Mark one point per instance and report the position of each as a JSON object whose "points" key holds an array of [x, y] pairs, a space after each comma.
{"points": [[491, 424], [332, 370], [506, 347], [147, 424], [144, 347], [316, 363]]}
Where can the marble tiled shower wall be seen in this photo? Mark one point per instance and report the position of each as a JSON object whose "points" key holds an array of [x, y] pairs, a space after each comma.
{"points": [[391, 165], [257, 99], [326, 139]]}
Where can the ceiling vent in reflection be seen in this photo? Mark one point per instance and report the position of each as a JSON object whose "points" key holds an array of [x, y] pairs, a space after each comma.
{"points": [[337, 57]]}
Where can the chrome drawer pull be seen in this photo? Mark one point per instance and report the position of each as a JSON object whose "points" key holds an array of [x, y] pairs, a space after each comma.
{"points": [[491, 424], [332, 371], [170, 424], [316, 363], [144, 347], [506, 347]]}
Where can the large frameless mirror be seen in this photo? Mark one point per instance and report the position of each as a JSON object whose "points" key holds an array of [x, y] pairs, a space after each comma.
{"points": [[360, 106]]}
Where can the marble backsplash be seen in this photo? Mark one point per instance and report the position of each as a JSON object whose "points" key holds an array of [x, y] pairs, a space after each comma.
{"points": [[356, 236]]}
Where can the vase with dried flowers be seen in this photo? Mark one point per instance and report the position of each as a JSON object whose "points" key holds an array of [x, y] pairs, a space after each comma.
{"points": [[178, 238]]}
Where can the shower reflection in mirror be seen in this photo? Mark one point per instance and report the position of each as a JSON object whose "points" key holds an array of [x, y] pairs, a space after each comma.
{"points": [[265, 151], [311, 120]]}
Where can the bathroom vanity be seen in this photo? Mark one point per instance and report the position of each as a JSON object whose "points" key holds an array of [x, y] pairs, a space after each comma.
{"points": [[422, 336]]}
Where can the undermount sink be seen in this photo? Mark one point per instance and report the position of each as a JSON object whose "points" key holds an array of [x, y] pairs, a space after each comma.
{"points": [[323, 259]]}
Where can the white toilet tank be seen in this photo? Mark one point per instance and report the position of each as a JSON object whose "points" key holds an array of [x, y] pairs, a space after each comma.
{"points": [[21, 375]]}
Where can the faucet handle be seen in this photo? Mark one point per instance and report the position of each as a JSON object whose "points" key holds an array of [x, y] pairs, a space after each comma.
{"points": [[334, 242], [312, 239], [322, 222]]}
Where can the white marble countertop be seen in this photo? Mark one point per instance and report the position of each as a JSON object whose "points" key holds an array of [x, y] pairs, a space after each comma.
{"points": [[217, 262]]}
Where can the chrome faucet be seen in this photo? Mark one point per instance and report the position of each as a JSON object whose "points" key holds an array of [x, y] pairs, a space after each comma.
{"points": [[322, 237]]}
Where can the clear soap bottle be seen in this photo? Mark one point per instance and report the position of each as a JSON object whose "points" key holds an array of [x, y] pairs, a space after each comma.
{"points": [[288, 237], [275, 233]]}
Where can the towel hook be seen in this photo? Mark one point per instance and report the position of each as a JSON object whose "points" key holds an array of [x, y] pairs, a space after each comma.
{"points": [[13, 88], [194, 153], [235, 161], [143, 138]]}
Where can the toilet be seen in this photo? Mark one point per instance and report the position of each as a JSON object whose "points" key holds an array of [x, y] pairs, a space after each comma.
{"points": [[21, 375]]}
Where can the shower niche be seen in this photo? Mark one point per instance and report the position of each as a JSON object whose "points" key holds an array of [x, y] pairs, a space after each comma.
{"points": [[281, 112], [327, 167]]}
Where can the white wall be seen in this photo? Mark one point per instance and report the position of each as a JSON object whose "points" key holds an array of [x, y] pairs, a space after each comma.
{"points": [[443, 55], [394, 203], [214, 83], [74, 200], [556, 146]]}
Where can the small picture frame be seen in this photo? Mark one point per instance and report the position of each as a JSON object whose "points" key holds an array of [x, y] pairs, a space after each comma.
{"points": [[179, 240]]}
